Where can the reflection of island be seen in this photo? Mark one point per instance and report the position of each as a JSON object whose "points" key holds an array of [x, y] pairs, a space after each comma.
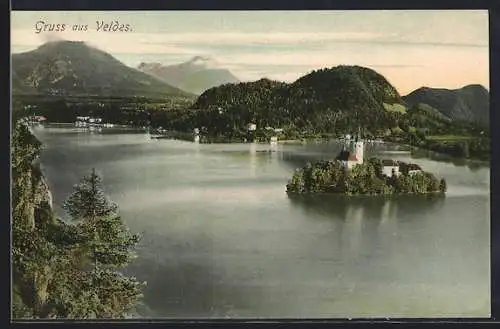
{"points": [[253, 159], [357, 223], [380, 208]]}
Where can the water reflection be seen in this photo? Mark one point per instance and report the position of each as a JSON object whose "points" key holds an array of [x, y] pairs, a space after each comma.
{"points": [[358, 222], [253, 159], [343, 208]]}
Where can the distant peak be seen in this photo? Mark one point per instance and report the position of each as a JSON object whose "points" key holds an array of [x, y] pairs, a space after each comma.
{"points": [[205, 61], [201, 58], [64, 43], [475, 86]]}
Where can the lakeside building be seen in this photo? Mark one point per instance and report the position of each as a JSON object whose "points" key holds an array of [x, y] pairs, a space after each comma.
{"points": [[355, 156], [390, 167]]}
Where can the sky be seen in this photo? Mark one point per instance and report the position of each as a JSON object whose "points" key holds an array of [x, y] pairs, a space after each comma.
{"points": [[441, 49]]}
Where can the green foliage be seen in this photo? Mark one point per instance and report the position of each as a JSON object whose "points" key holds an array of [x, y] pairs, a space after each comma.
{"points": [[66, 270], [362, 179], [88, 200], [395, 108], [334, 100], [442, 186], [328, 102]]}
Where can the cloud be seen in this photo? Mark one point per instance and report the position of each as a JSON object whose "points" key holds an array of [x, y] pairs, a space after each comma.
{"points": [[129, 43]]}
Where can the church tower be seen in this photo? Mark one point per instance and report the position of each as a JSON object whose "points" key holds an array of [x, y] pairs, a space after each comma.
{"points": [[359, 150], [359, 147]]}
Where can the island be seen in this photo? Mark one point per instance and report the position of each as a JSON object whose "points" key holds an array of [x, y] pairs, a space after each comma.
{"points": [[350, 174]]}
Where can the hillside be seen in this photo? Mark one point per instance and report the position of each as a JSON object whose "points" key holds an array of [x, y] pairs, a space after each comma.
{"points": [[194, 76], [339, 99], [470, 103], [19, 88], [74, 68]]}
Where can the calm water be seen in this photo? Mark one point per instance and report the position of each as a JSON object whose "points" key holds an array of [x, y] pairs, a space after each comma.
{"points": [[222, 239]]}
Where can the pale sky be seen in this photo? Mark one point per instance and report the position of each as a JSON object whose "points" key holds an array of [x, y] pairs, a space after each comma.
{"points": [[442, 49]]}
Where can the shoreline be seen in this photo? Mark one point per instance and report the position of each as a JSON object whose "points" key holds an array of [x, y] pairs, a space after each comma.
{"points": [[370, 196], [296, 141]]}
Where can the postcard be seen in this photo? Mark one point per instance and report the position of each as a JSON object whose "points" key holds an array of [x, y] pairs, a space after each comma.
{"points": [[250, 164]]}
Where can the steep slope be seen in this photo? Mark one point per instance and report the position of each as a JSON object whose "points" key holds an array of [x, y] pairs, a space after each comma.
{"points": [[74, 68], [194, 76], [470, 103]]}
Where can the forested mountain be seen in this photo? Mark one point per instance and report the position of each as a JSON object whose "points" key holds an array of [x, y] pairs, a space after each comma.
{"points": [[470, 103], [333, 101], [339, 99], [74, 68], [194, 76]]}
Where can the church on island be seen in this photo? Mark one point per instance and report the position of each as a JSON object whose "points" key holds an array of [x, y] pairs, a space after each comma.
{"points": [[355, 156], [351, 158]]}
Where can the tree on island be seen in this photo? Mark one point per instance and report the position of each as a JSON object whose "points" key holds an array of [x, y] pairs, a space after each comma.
{"points": [[362, 179], [442, 185]]}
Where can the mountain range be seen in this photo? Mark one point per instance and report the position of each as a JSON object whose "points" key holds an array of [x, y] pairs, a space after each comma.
{"points": [[470, 103], [194, 76], [337, 100], [77, 69]]}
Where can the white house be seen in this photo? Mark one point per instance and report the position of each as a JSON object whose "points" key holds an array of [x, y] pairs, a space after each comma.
{"points": [[390, 167], [273, 140]]}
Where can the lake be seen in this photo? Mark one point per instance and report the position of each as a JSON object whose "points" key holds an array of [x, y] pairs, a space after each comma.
{"points": [[221, 238]]}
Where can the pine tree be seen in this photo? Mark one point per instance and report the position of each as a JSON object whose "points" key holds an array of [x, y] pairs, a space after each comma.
{"points": [[88, 201], [108, 245]]}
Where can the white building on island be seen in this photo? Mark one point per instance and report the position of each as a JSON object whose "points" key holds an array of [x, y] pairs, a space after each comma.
{"points": [[355, 156], [390, 167], [351, 158]]}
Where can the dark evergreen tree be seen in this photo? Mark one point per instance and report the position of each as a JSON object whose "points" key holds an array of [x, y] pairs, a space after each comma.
{"points": [[88, 201]]}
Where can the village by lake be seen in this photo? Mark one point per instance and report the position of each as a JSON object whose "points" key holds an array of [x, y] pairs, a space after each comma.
{"points": [[221, 238]]}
